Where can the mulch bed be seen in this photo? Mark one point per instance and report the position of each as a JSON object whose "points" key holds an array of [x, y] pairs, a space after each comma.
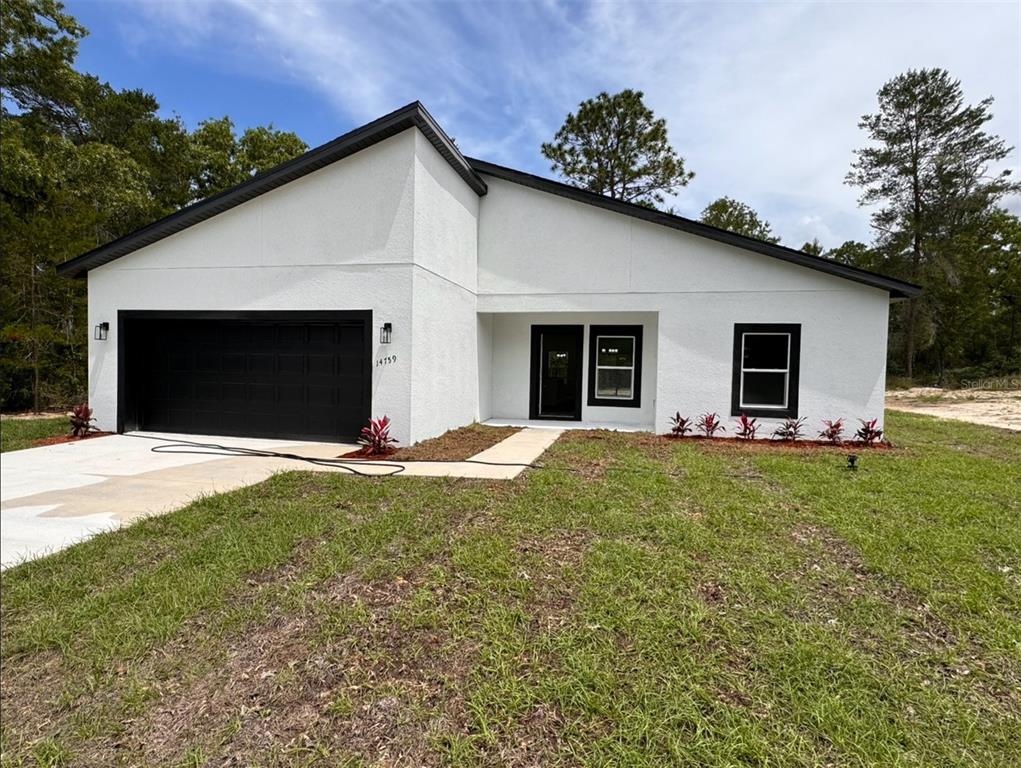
{"points": [[769, 444], [66, 439], [455, 445]]}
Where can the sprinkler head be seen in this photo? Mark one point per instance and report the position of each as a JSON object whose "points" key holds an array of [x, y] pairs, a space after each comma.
{"points": [[852, 462]]}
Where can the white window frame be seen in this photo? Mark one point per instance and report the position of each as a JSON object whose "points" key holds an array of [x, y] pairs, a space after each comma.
{"points": [[634, 361], [785, 371]]}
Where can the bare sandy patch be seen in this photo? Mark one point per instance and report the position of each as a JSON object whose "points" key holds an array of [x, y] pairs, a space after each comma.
{"points": [[993, 408]]}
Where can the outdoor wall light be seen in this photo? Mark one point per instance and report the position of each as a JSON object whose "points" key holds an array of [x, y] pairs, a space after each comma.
{"points": [[101, 332], [385, 333]]}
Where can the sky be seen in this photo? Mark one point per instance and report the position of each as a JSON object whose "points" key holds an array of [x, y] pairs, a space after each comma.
{"points": [[762, 99]]}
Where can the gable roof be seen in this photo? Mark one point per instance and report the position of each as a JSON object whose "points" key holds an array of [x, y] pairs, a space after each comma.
{"points": [[897, 288], [415, 115]]}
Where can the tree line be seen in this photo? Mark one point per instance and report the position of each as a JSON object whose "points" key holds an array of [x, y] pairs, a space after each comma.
{"points": [[937, 217], [82, 163]]}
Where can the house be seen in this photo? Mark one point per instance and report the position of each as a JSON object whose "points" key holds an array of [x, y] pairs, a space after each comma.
{"points": [[386, 273]]}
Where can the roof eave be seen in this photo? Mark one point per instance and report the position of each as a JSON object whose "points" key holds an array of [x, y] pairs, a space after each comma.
{"points": [[413, 115]]}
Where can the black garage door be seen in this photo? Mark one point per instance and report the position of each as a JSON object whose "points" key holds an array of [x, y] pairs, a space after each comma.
{"points": [[285, 375]]}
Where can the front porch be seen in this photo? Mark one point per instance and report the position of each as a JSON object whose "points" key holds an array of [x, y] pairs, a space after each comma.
{"points": [[568, 370]]}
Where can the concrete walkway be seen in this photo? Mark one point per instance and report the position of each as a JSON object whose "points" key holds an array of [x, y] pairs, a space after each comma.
{"points": [[56, 495]]}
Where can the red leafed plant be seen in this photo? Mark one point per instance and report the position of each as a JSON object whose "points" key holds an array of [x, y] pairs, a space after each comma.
{"points": [[709, 424], [790, 430], [869, 432], [375, 439], [746, 428], [681, 425], [81, 420], [833, 431]]}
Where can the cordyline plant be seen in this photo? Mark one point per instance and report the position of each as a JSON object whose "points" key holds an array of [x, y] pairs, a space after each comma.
{"points": [[746, 428], [869, 431], [81, 419], [376, 438], [681, 425], [833, 431], [790, 430], [709, 424]]}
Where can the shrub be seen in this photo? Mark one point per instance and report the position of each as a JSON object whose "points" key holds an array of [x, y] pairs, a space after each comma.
{"points": [[868, 432], [790, 430], [746, 428], [81, 420], [376, 437], [681, 425], [833, 431], [709, 424]]}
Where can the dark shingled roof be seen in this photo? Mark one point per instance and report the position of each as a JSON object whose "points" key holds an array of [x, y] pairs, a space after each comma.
{"points": [[472, 171]]}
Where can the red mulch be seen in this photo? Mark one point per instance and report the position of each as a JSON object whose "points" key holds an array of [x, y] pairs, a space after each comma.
{"points": [[769, 443], [66, 439], [362, 453]]}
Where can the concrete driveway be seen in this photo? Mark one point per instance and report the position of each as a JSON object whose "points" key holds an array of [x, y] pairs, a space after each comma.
{"points": [[54, 496]]}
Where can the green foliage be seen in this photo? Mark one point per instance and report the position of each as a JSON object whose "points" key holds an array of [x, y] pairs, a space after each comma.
{"points": [[615, 146], [734, 216], [81, 164], [928, 169]]}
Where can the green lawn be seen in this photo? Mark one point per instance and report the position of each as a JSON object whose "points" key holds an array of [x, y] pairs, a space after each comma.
{"points": [[16, 434], [638, 602]]}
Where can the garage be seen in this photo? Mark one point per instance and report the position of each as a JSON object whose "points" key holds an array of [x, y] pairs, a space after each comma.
{"points": [[291, 375]]}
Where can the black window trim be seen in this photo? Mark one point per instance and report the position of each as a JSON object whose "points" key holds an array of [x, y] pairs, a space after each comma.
{"points": [[793, 375], [594, 332]]}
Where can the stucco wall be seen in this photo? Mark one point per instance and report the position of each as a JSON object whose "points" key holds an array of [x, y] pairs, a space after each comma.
{"points": [[339, 238], [542, 253], [444, 386]]}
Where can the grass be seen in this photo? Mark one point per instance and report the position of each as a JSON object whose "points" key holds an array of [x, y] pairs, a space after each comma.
{"points": [[16, 434], [637, 602]]}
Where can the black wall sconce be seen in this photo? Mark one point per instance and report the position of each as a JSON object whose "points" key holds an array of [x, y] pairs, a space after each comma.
{"points": [[101, 332], [385, 333]]}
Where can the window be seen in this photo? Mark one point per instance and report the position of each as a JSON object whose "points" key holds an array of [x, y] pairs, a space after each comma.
{"points": [[615, 365], [766, 360]]}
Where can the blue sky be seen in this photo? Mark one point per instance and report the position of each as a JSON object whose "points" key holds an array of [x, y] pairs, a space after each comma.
{"points": [[762, 99]]}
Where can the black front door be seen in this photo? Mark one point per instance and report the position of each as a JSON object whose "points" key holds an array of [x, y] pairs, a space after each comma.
{"points": [[556, 372]]}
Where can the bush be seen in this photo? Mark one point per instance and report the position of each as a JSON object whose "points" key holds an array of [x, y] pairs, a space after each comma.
{"points": [[376, 438], [81, 420], [790, 430], [709, 424], [833, 431], [869, 433], [746, 428], [680, 425]]}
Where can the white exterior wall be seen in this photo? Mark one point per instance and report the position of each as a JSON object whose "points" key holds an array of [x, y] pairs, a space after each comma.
{"points": [[542, 253], [340, 238], [445, 373]]}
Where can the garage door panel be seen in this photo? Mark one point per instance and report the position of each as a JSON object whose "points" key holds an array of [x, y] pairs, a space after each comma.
{"points": [[272, 378]]}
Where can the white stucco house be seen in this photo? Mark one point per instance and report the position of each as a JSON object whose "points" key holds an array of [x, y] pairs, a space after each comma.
{"points": [[385, 273]]}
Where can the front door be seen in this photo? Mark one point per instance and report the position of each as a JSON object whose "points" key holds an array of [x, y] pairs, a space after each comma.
{"points": [[556, 372]]}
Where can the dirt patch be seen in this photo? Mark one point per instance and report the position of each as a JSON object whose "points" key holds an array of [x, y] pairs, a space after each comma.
{"points": [[772, 445], [60, 439], [991, 408]]}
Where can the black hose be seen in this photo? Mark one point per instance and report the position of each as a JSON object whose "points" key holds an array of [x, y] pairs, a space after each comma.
{"points": [[178, 446]]}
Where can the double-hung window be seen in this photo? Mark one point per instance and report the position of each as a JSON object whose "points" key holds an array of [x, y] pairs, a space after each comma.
{"points": [[766, 362], [615, 365]]}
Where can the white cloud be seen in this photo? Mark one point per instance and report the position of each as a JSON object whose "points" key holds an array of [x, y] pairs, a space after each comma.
{"points": [[761, 99]]}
